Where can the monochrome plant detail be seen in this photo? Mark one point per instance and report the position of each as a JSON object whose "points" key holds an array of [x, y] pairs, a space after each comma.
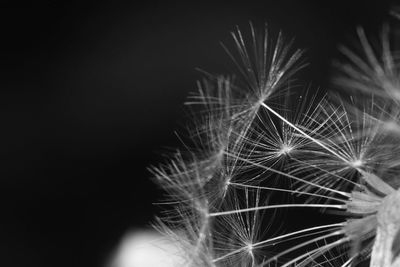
{"points": [[263, 149]]}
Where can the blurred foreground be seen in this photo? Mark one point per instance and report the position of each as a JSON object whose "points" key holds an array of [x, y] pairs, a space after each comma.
{"points": [[146, 248]]}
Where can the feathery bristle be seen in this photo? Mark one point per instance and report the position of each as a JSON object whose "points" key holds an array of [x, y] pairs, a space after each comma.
{"points": [[259, 152]]}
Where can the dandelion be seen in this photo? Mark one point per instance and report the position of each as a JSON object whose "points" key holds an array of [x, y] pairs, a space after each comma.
{"points": [[263, 149]]}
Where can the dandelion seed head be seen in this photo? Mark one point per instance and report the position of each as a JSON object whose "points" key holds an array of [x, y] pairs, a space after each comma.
{"points": [[285, 149], [338, 155], [227, 184], [250, 248], [356, 163]]}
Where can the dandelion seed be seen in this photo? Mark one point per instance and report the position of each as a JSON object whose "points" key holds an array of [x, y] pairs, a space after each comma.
{"points": [[255, 156], [357, 163], [285, 149]]}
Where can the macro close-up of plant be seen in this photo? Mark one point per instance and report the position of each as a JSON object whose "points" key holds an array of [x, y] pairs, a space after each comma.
{"points": [[275, 173]]}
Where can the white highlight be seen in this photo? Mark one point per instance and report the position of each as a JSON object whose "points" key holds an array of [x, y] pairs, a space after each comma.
{"points": [[147, 249], [357, 163], [285, 149]]}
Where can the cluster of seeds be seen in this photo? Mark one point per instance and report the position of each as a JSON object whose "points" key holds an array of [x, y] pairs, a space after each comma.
{"points": [[263, 152]]}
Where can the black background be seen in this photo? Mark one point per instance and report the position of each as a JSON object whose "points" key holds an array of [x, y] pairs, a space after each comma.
{"points": [[92, 92]]}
